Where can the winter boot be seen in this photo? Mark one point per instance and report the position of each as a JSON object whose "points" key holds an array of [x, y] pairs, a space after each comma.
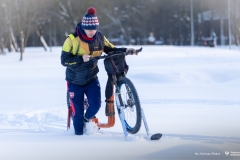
{"points": [[90, 127]]}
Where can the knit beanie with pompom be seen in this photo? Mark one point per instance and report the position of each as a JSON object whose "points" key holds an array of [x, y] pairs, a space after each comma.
{"points": [[90, 20]]}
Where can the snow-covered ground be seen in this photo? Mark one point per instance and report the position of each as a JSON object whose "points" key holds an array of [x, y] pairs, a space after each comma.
{"points": [[189, 94]]}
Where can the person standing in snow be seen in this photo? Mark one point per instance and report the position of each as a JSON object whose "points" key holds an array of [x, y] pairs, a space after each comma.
{"points": [[81, 72]]}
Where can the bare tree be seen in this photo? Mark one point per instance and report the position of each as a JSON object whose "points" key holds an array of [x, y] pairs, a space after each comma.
{"points": [[24, 18], [1, 46], [236, 18], [7, 12], [1, 33], [48, 22]]}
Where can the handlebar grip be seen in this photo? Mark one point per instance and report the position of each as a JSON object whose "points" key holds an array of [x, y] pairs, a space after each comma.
{"points": [[139, 50], [131, 51]]}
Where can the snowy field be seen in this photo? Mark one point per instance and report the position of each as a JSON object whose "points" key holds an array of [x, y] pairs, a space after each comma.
{"points": [[189, 94]]}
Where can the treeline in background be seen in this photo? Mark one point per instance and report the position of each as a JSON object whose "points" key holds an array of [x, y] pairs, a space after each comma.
{"points": [[138, 22]]}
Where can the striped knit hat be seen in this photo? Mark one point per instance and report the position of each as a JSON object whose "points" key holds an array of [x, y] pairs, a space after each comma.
{"points": [[90, 20]]}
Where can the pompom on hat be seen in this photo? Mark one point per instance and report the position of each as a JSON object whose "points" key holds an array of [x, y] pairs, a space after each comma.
{"points": [[90, 20]]}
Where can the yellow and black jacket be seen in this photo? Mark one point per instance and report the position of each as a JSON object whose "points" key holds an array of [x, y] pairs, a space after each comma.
{"points": [[78, 71]]}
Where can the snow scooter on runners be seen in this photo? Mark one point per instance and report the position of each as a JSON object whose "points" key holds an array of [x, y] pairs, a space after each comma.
{"points": [[127, 100]]}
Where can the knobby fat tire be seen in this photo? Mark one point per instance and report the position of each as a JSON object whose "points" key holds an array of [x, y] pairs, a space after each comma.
{"points": [[132, 129]]}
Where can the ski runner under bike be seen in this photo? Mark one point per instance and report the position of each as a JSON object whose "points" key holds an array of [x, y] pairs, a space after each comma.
{"points": [[81, 72]]}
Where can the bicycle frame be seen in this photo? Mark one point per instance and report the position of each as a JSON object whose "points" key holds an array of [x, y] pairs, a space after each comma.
{"points": [[120, 106], [119, 102]]}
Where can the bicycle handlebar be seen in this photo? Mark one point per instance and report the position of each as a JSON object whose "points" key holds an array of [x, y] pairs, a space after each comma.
{"points": [[112, 54]]}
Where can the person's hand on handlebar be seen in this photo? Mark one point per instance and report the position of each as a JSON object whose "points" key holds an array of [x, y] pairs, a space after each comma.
{"points": [[132, 50], [86, 57]]}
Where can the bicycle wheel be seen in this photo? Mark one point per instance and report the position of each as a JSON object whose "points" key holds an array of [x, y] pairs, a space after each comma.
{"points": [[132, 110]]}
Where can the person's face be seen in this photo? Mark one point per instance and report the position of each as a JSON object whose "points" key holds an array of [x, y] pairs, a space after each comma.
{"points": [[90, 33]]}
